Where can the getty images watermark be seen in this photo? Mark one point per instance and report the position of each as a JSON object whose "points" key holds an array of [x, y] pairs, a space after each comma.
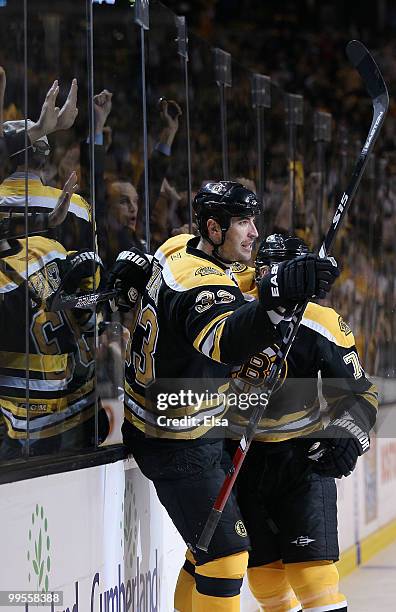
{"points": [[203, 401], [184, 399]]}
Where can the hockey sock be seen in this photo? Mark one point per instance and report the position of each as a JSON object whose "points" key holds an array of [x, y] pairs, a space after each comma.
{"points": [[218, 584], [271, 588], [316, 585], [185, 585]]}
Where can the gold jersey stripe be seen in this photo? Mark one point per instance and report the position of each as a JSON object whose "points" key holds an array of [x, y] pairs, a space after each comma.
{"points": [[176, 412], [199, 340], [284, 436], [216, 344], [54, 405], [56, 430], [371, 396], [266, 423], [37, 363]]}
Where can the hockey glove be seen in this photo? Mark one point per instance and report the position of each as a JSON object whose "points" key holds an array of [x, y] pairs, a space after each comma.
{"points": [[79, 272], [129, 275], [342, 443], [299, 279]]}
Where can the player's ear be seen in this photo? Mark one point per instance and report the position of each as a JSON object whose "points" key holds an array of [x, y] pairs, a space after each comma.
{"points": [[214, 229]]}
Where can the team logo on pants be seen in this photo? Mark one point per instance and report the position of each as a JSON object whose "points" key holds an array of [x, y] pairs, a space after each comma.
{"points": [[241, 529], [302, 541]]}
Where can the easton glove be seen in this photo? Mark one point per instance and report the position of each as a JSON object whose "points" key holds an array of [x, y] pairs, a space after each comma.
{"points": [[299, 279], [129, 275], [337, 453]]}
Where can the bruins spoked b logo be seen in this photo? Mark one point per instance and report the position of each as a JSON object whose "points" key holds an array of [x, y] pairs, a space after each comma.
{"points": [[241, 529], [254, 372], [344, 327]]}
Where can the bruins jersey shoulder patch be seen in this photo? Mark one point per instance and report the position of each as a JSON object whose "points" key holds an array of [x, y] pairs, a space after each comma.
{"points": [[238, 267], [344, 327], [205, 270]]}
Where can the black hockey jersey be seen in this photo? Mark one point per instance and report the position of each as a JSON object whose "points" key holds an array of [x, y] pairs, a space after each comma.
{"points": [[56, 378], [193, 324], [325, 344]]}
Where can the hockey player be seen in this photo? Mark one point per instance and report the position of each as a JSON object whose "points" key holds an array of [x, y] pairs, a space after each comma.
{"points": [[286, 489], [193, 323], [47, 397]]}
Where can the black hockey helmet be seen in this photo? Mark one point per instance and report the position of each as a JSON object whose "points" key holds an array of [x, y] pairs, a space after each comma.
{"points": [[221, 201], [276, 248]]}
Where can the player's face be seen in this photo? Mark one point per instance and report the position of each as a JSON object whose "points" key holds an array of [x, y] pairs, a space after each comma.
{"points": [[239, 240]]}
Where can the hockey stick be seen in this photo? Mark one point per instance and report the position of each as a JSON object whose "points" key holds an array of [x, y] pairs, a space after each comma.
{"points": [[66, 301], [361, 59]]}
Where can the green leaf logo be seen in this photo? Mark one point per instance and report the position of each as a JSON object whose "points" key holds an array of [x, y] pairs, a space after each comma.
{"points": [[130, 523], [38, 554]]}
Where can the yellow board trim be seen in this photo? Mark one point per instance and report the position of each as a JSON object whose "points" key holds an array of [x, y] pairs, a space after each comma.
{"points": [[347, 562], [378, 540], [369, 546]]}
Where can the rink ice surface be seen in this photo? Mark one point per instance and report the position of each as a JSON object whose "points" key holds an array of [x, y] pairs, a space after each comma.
{"points": [[372, 587]]}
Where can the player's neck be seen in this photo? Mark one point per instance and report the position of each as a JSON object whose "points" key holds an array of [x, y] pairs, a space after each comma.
{"points": [[209, 249], [204, 246]]}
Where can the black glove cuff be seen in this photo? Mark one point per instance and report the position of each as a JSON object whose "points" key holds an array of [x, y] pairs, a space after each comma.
{"points": [[363, 415], [269, 290]]}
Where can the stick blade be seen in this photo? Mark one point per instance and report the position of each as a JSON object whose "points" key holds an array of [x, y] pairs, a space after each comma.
{"points": [[364, 63], [84, 301]]}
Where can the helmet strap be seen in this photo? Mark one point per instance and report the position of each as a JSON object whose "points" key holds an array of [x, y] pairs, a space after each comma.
{"points": [[215, 252], [205, 234]]}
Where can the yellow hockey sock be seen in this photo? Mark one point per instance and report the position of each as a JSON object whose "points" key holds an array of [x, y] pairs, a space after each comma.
{"points": [[316, 585], [218, 584], [185, 585], [271, 588]]}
